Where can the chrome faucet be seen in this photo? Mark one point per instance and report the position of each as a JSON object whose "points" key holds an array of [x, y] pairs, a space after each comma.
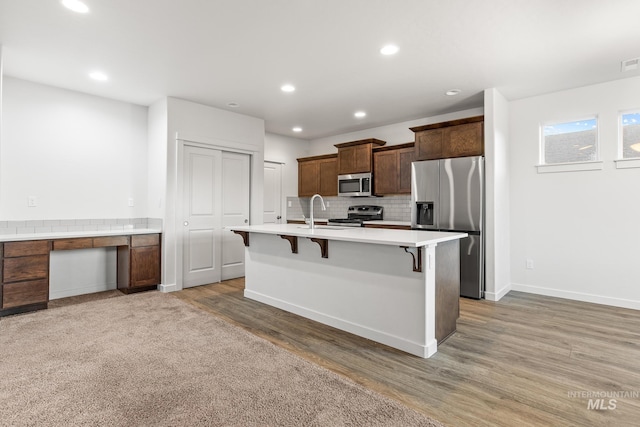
{"points": [[311, 226]]}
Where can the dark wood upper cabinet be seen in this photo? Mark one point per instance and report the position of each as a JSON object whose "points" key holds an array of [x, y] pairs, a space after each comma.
{"points": [[456, 138], [392, 169], [406, 156], [318, 175], [429, 144], [328, 169], [356, 156]]}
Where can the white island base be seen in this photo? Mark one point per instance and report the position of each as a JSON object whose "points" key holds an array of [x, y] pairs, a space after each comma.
{"points": [[368, 289]]}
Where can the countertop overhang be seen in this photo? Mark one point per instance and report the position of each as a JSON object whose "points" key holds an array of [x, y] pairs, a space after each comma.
{"points": [[376, 236]]}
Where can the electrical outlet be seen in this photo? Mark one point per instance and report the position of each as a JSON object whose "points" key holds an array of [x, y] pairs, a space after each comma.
{"points": [[529, 264], [32, 201], [328, 204], [289, 203], [130, 202]]}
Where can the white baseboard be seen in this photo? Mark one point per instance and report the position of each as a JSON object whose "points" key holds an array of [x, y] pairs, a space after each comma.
{"points": [[497, 296], [168, 288], [81, 290], [577, 296], [381, 337]]}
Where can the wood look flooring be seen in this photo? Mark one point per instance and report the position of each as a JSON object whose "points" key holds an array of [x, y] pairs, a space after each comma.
{"points": [[511, 363]]}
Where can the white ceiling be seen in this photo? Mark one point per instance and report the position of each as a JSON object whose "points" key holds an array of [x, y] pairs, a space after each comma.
{"points": [[219, 51]]}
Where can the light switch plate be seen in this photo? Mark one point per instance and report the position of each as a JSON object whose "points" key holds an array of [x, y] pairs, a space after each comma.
{"points": [[32, 201]]}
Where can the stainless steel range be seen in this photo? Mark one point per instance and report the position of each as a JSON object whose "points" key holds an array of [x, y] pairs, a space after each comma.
{"points": [[357, 215]]}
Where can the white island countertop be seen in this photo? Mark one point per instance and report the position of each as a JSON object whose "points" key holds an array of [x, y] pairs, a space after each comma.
{"points": [[377, 236]]}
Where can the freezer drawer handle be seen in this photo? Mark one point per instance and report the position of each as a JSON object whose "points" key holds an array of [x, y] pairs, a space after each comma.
{"points": [[415, 253]]}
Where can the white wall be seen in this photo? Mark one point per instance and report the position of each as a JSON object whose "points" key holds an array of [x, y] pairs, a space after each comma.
{"points": [[157, 158], [81, 156], [580, 228], [497, 214], [286, 150], [394, 134], [222, 129]]}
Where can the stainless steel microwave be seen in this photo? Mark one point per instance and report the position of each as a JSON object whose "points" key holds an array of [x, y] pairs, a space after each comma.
{"points": [[355, 185]]}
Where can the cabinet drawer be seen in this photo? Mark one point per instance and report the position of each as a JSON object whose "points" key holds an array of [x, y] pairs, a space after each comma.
{"points": [[68, 244], [145, 240], [25, 293], [101, 242], [31, 247], [25, 268]]}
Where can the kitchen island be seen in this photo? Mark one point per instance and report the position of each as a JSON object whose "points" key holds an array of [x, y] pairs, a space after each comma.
{"points": [[396, 287]]}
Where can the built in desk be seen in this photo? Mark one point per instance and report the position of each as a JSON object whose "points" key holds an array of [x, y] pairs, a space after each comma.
{"points": [[24, 273]]}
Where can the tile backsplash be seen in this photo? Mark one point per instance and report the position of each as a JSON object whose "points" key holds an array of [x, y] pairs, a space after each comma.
{"points": [[61, 225], [396, 208]]}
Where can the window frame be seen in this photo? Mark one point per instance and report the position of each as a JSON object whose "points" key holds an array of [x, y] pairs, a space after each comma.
{"points": [[625, 162], [580, 165]]}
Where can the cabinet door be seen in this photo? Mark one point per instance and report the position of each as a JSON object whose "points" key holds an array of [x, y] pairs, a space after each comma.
{"points": [[463, 140], [405, 157], [328, 171], [429, 144], [145, 266], [386, 172], [308, 178], [354, 159]]}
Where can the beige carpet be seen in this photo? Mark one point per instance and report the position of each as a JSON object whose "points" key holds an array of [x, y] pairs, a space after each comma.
{"points": [[150, 359]]}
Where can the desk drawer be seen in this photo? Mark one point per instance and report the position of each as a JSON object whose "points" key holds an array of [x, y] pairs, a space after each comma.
{"points": [[101, 242], [68, 244], [32, 247], [145, 240], [25, 293], [25, 268]]}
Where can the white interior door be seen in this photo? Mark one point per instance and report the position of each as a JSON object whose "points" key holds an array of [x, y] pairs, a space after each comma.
{"points": [[236, 175], [202, 223], [272, 193]]}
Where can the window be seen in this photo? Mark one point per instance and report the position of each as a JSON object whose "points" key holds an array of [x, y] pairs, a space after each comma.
{"points": [[570, 142], [630, 139]]}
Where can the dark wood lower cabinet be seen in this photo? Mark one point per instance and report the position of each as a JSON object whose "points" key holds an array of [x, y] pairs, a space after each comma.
{"points": [[24, 267], [25, 276], [139, 264], [25, 293]]}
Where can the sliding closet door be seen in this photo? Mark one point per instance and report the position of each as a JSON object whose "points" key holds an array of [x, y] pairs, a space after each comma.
{"points": [[216, 194], [202, 219], [235, 211]]}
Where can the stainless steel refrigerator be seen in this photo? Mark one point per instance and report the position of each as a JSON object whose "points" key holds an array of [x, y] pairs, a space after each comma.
{"points": [[448, 195]]}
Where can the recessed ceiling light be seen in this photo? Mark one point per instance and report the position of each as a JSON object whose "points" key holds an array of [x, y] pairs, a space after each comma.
{"points": [[390, 49], [297, 129], [288, 88], [99, 75], [360, 114], [233, 104], [76, 6], [453, 92]]}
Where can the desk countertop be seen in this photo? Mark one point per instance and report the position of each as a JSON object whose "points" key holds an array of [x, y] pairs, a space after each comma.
{"points": [[75, 234]]}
